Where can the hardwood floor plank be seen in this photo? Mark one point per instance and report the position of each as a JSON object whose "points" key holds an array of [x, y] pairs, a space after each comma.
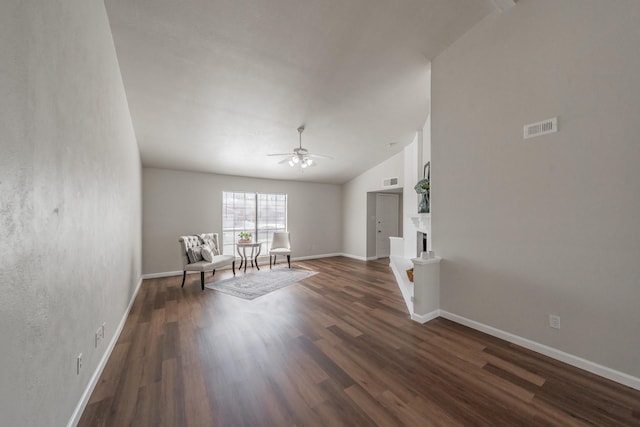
{"points": [[338, 409], [433, 412], [405, 413], [172, 410], [108, 381], [152, 361], [197, 407], [96, 413], [372, 407], [307, 364], [364, 376], [125, 397], [337, 348], [147, 399], [325, 363], [293, 403], [515, 370]]}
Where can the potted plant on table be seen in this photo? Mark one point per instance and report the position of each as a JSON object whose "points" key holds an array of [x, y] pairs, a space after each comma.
{"points": [[245, 237]]}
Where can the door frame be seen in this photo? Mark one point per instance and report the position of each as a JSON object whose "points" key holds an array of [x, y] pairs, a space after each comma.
{"points": [[396, 197]]}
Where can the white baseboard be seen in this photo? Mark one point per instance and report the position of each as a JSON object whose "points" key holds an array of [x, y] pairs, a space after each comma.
{"points": [[424, 318], [179, 273], [82, 404], [262, 258], [303, 258], [578, 362], [176, 273], [358, 257], [165, 274]]}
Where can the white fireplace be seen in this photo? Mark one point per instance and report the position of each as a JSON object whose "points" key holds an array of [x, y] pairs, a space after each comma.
{"points": [[422, 223]]}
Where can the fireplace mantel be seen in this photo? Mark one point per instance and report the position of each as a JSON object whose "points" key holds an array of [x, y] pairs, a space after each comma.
{"points": [[422, 222]]}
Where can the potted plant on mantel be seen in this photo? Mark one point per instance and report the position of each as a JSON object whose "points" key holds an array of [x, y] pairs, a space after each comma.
{"points": [[423, 188], [245, 237]]}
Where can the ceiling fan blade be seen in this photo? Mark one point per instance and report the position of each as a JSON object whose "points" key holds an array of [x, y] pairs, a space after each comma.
{"points": [[320, 156], [300, 156]]}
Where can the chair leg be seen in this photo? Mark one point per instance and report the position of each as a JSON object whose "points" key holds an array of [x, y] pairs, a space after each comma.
{"points": [[214, 272], [233, 267], [269, 262], [289, 260], [202, 279], [184, 276]]}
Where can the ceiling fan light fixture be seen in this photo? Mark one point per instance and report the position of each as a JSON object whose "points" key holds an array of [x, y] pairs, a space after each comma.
{"points": [[300, 156]]}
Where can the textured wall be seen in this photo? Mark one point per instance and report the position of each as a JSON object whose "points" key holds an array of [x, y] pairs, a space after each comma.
{"points": [[178, 202], [549, 225], [70, 204]]}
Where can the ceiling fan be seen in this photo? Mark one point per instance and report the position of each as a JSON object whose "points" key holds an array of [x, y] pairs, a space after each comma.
{"points": [[300, 156]]}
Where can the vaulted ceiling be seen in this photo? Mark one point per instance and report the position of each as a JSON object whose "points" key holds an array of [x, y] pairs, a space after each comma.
{"points": [[216, 85]]}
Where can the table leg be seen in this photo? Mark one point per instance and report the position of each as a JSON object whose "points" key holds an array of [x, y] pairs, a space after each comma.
{"points": [[257, 254], [240, 255], [244, 256]]}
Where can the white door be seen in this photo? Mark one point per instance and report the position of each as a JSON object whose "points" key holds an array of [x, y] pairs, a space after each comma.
{"points": [[386, 222]]}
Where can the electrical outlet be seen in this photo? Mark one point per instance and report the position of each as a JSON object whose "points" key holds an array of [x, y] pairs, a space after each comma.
{"points": [[554, 321], [100, 334], [78, 364]]}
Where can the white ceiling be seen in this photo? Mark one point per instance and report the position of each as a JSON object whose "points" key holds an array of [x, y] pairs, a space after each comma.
{"points": [[216, 85]]}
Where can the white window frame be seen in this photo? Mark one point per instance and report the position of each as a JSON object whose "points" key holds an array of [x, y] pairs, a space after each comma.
{"points": [[256, 206]]}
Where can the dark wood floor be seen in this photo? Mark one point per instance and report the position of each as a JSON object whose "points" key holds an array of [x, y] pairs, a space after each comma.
{"points": [[336, 349]]}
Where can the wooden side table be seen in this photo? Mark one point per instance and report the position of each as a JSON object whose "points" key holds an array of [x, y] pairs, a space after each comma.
{"points": [[253, 257]]}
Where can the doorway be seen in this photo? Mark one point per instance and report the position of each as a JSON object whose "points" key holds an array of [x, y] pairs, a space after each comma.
{"points": [[387, 205]]}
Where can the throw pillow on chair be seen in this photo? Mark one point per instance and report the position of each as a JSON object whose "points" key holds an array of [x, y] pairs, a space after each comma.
{"points": [[207, 253]]}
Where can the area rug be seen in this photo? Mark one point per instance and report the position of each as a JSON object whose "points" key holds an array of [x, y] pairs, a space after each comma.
{"points": [[258, 283]]}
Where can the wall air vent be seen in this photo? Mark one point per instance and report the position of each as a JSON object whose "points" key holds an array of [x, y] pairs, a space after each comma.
{"points": [[390, 182], [541, 128]]}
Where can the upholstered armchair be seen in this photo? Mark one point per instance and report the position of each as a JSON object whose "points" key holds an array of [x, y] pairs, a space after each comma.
{"points": [[202, 253], [281, 245]]}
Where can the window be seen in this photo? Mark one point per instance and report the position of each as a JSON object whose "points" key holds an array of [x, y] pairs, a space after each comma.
{"points": [[257, 213]]}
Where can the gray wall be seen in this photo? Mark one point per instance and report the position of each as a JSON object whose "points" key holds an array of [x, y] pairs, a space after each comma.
{"points": [[354, 204], [546, 225], [177, 203], [70, 179]]}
